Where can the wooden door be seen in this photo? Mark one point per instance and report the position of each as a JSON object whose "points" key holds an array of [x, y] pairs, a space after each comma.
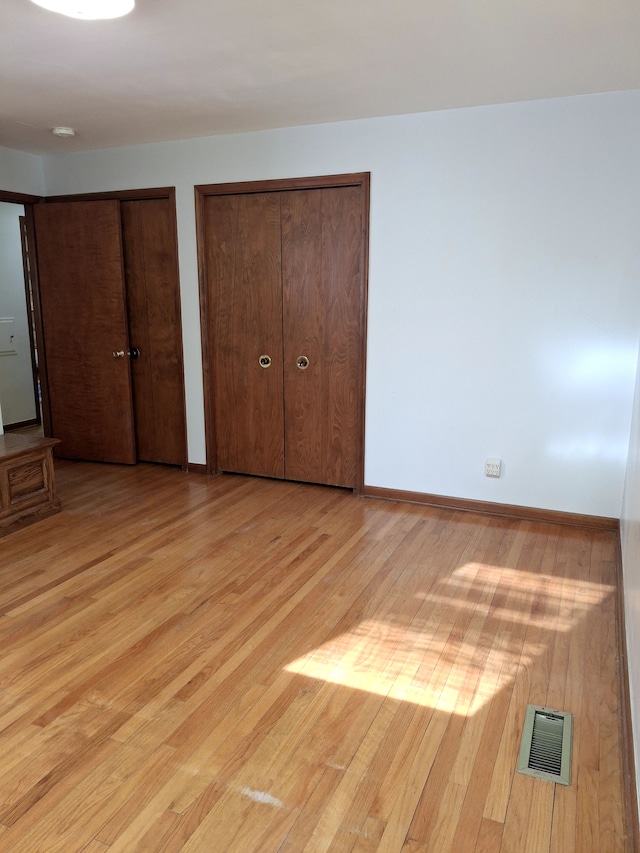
{"points": [[284, 262], [245, 326], [153, 308], [79, 254], [322, 275]]}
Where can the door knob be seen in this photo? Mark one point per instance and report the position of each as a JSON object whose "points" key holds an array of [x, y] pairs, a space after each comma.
{"points": [[133, 353], [264, 361], [302, 362], [118, 353]]}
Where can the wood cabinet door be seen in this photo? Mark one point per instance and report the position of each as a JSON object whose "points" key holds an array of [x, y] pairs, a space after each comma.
{"points": [[243, 261], [153, 308], [322, 298], [81, 285]]}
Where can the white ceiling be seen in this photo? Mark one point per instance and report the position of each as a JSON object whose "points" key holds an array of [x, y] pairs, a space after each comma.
{"points": [[175, 69]]}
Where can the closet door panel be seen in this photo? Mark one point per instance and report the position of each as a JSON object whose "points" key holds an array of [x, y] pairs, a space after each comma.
{"points": [[342, 277], [303, 320], [151, 274], [322, 311], [245, 287], [82, 297]]}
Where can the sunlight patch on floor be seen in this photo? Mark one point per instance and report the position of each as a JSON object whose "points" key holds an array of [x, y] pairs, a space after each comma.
{"points": [[464, 642]]}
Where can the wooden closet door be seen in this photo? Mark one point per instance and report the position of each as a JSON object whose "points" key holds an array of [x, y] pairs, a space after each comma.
{"points": [[81, 285], [322, 310], [153, 308], [244, 280]]}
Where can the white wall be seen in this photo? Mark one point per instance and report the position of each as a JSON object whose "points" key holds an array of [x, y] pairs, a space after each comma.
{"points": [[504, 305], [16, 376], [20, 172], [630, 534]]}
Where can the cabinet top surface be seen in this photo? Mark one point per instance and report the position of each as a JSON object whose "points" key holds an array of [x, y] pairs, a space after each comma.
{"points": [[12, 444]]}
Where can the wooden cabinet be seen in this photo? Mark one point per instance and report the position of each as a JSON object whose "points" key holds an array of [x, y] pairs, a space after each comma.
{"points": [[284, 318], [27, 484]]}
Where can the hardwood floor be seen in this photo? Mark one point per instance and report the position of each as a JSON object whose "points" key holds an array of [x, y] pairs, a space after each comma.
{"points": [[236, 664]]}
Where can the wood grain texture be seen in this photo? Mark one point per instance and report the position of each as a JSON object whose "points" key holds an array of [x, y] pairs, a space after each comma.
{"points": [[119, 195], [322, 274], [243, 664], [324, 280], [284, 184], [245, 286], [27, 481], [155, 328], [81, 289], [303, 320]]}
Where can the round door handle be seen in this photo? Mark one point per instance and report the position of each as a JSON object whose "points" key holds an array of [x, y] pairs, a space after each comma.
{"points": [[118, 353], [302, 362], [133, 353], [264, 361]]}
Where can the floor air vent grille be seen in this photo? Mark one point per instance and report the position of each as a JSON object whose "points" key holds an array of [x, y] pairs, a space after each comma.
{"points": [[545, 751]]}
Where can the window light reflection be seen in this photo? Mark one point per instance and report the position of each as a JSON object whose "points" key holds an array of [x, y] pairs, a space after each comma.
{"points": [[465, 642]]}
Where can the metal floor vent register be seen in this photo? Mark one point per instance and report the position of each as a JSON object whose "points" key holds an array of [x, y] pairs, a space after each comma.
{"points": [[545, 751]]}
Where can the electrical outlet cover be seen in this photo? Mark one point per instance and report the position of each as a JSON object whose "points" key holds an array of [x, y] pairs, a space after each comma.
{"points": [[492, 467]]}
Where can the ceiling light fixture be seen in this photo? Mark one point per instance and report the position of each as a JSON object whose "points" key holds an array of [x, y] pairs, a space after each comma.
{"points": [[90, 10], [63, 132]]}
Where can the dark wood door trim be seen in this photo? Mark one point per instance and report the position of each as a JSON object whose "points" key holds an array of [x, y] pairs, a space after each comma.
{"points": [[39, 328], [206, 343], [285, 184], [27, 272], [19, 198], [117, 195], [361, 179]]}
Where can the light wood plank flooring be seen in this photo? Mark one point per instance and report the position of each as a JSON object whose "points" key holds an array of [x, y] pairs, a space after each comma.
{"points": [[235, 664]]}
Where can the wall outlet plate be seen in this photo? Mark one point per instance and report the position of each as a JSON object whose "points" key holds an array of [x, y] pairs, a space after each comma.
{"points": [[492, 467]]}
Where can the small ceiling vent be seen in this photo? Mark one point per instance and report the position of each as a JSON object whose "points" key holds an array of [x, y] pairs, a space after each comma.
{"points": [[545, 751]]}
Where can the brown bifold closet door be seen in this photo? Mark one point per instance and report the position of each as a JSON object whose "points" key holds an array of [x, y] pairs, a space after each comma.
{"points": [[244, 263], [108, 279], [321, 275], [81, 285], [285, 306], [153, 310]]}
